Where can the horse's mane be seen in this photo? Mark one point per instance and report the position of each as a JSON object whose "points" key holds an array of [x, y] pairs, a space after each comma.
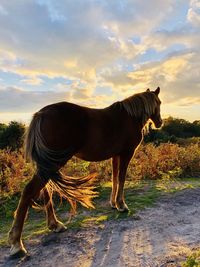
{"points": [[140, 106]]}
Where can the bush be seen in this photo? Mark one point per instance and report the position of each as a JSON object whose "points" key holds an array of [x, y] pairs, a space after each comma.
{"points": [[150, 162], [167, 160], [14, 172]]}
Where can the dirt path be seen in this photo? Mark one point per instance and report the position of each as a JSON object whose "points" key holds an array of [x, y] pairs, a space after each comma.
{"points": [[162, 237]]}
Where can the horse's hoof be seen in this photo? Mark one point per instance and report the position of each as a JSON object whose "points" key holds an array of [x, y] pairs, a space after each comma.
{"points": [[58, 228], [17, 251], [123, 209]]}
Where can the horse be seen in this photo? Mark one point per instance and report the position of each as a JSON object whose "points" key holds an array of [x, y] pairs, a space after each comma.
{"points": [[62, 130]]}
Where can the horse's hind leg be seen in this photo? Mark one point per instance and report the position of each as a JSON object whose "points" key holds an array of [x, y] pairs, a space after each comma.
{"points": [[52, 222], [115, 171], [30, 192]]}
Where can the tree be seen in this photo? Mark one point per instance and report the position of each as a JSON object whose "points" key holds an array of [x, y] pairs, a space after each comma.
{"points": [[2, 127], [172, 130], [181, 128], [158, 136], [11, 136]]}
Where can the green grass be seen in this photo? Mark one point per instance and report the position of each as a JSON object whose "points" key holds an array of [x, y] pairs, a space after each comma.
{"points": [[139, 195], [193, 260]]}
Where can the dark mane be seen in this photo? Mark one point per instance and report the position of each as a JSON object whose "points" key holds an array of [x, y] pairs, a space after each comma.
{"points": [[140, 105]]}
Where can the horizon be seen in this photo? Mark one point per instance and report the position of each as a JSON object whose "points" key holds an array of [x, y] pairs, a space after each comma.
{"points": [[27, 122], [94, 53]]}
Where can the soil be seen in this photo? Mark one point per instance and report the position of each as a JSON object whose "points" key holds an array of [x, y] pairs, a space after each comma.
{"points": [[161, 236]]}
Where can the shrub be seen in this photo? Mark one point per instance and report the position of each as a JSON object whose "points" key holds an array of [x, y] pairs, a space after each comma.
{"points": [[14, 172], [166, 160], [150, 162]]}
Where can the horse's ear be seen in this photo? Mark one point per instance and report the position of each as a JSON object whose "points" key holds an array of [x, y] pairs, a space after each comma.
{"points": [[157, 91], [148, 90]]}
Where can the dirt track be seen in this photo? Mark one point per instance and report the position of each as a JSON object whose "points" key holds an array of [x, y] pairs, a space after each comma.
{"points": [[162, 237]]}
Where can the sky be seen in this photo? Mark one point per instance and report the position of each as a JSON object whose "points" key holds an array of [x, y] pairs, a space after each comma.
{"points": [[96, 52]]}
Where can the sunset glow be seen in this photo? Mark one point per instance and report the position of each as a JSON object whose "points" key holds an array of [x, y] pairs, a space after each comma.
{"points": [[94, 53]]}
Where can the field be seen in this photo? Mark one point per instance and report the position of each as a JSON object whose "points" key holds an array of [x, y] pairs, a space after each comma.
{"points": [[155, 172]]}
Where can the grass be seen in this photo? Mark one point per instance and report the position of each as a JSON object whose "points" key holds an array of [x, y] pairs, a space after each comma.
{"points": [[139, 195], [193, 260]]}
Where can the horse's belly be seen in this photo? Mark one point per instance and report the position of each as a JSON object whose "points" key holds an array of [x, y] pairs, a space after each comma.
{"points": [[94, 155], [101, 143]]}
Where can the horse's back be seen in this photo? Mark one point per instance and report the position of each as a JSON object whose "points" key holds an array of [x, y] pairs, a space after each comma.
{"points": [[91, 134], [107, 134]]}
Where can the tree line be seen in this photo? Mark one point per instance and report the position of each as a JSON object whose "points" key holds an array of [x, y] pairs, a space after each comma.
{"points": [[172, 130], [12, 134]]}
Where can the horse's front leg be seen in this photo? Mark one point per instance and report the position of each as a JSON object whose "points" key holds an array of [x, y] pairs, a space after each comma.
{"points": [[30, 192], [115, 172], [123, 165], [52, 222]]}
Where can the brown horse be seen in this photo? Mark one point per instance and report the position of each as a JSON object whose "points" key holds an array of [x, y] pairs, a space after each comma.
{"points": [[61, 130]]}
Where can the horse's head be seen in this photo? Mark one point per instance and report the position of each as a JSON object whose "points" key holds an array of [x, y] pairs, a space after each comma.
{"points": [[156, 117]]}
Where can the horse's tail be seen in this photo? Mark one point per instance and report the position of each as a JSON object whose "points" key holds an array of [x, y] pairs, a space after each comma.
{"points": [[30, 139], [73, 189]]}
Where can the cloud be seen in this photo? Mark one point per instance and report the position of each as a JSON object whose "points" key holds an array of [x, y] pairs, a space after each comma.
{"points": [[15, 99], [58, 39], [193, 14], [98, 44], [80, 94], [177, 75], [116, 78], [3, 11], [51, 45], [32, 81], [187, 37]]}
